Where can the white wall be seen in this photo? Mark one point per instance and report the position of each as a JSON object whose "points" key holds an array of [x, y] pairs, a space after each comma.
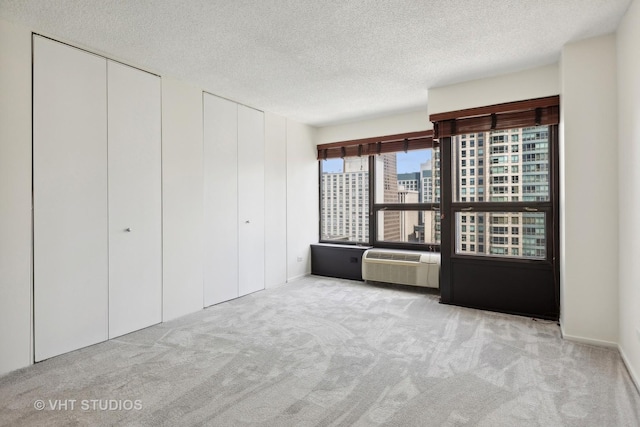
{"points": [[588, 192], [15, 197], [182, 199], [628, 38], [302, 198], [588, 178], [275, 199], [532, 83], [290, 152], [389, 125]]}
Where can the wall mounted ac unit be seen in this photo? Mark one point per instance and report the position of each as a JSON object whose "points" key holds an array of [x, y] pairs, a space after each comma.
{"points": [[402, 267]]}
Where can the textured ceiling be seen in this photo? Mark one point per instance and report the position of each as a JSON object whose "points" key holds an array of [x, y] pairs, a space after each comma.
{"points": [[323, 61]]}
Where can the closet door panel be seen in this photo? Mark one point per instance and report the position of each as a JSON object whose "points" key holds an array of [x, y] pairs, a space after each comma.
{"points": [[251, 199], [135, 204], [220, 200], [70, 198]]}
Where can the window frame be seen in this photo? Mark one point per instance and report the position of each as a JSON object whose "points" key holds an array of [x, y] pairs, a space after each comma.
{"points": [[341, 242], [549, 207], [376, 208], [371, 147]]}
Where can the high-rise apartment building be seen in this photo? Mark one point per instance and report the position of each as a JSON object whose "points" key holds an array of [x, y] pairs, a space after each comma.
{"points": [[388, 221], [410, 221], [410, 181], [344, 212], [345, 202], [410, 190]]}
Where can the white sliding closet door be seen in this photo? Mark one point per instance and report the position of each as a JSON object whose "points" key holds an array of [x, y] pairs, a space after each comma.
{"points": [[220, 200], [135, 204], [70, 198], [251, 199]]}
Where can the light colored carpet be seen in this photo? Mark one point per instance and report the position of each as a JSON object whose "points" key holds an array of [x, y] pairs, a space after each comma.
{"points": [[327, 352]]}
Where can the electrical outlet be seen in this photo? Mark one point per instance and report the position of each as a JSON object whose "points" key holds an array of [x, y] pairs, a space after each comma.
{"points": [[638, 333], [299, 259]]}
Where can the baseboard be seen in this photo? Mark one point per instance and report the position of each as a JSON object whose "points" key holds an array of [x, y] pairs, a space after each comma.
{"points": [[591, 341], [277, 285], [301, 276], [634, 376], [14, 368]]}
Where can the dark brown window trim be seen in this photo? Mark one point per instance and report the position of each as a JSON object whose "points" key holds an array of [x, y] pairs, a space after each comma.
{"points": [[530, 104], [376, 145], [532, 112]]}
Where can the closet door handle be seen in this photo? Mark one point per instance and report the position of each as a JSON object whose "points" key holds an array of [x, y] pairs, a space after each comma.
{"points": [[247, 222], [128, 229]]}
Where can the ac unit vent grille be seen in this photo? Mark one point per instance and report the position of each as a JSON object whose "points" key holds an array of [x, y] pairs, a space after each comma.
{"points": [[393, 256], [402, 267]]}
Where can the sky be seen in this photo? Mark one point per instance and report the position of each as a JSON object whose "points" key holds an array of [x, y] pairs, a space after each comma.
{"points": [[407, 162], [411, 160]]}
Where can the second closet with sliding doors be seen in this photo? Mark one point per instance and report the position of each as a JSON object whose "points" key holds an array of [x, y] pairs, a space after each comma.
{"points": [[233, 200], [97, 198]]}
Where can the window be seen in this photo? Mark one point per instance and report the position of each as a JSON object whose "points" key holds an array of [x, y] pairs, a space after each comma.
{"points": [[383, 190], [502, 183], [533, 245], [408, 226], [405, 216], [344, 200], [536, 176]]}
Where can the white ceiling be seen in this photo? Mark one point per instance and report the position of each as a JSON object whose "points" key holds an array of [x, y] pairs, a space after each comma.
{"points": [[323, 62]]}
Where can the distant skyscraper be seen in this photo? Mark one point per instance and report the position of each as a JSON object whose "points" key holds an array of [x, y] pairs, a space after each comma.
{"points": [[426, 183], [410, 181], [430, 193], [345, 202], [410, 221], [389, 226]]}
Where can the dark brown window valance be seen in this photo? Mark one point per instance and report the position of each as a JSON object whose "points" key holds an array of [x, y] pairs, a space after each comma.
{"points": [[533, 112], [376, 145]]}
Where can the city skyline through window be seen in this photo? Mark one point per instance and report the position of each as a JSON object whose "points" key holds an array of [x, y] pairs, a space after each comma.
{"points": [[506, 167], [401, 178]]}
